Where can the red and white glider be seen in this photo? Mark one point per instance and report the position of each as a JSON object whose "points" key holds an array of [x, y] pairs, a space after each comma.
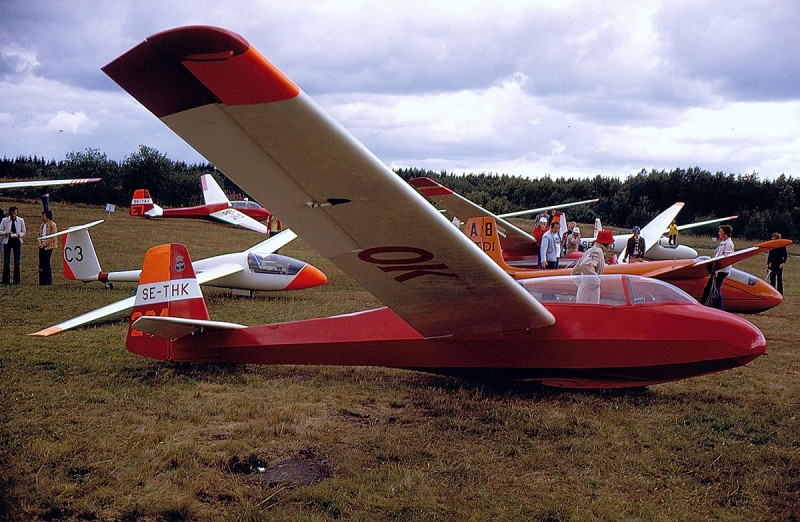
{"points": [[450, 309], [217, 207]]}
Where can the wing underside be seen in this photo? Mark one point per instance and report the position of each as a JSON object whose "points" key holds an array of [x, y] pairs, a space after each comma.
{"points": [[276, 144], [232, 216], [704, 267]]}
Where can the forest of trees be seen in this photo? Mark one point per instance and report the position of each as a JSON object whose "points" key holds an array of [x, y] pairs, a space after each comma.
{"points": [[763, 206]]}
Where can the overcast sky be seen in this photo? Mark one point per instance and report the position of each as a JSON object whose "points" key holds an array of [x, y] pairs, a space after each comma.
{"points": [[524, 88]]}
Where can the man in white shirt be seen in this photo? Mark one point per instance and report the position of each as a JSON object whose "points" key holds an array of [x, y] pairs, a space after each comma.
{"points": [[551, 246], [12, 230]]}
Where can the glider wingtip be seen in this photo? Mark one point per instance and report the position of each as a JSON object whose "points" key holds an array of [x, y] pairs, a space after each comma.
{"points": [[191, 66], [46, 332]]}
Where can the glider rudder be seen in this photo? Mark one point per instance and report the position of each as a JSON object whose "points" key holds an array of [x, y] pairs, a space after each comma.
{"points": [[483, 232], [80, 258], [141, 202], [167, 288]]}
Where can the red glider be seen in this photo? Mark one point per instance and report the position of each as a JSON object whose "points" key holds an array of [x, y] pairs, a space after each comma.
{"points": [[741, 291], [450, 308], [243, 214]]}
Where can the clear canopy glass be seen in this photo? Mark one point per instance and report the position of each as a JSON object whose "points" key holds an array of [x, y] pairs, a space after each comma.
{"points": [[612, 290]]}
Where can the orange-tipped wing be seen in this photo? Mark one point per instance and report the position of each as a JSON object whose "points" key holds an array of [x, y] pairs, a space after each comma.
{"points": [[264, 133], [701, 268]]}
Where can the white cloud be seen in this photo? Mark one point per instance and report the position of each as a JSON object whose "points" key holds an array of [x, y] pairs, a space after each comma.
{"points": [[520, 87], [76, 123]]}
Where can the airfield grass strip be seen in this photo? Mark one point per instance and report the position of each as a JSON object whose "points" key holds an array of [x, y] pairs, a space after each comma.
{"points": [[90, 431]]}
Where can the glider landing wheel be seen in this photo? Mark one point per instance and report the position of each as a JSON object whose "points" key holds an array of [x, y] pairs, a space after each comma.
{"points": [[108, 285]]}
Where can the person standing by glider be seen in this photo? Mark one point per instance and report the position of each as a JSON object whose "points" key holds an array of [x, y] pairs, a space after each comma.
{"points": [[635, 249], [591, 265], [538, 232], [46, 247], [12, 229], [551, 246], [775, 261], [673, 234], [711, 294]]}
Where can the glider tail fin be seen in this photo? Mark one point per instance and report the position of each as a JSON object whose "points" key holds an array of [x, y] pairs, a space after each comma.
{"points": [[483, 232], [168, 287], [212, 192], [80, 258], [141, 202], [142, 205]]}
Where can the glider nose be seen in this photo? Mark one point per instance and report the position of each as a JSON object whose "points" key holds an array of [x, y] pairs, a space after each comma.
{"points": [[747, 341], [771, 297], [308, 277]]}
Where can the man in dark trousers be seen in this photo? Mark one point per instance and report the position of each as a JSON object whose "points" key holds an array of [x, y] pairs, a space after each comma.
{"points": [[775, 261], [12, 230]]}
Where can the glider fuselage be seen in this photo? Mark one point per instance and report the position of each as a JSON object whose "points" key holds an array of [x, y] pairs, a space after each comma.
{"points": [[582, 349], [205, 211], [641, 332]]}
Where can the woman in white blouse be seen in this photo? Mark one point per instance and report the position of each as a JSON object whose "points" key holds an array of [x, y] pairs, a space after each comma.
{"points": [[712, 295]]}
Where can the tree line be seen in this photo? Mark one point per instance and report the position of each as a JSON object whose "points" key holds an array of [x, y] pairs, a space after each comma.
{"points": [[763, 206]]}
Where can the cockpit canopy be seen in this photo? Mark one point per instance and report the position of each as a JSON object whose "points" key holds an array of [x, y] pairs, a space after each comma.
{"points": [[737, 275], [275, 264], [615, 290], [245, 204]]}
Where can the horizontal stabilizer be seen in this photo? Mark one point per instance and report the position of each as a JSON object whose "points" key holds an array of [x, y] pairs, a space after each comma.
{"points": [[172, 328], [72, 229], [156, 211]]}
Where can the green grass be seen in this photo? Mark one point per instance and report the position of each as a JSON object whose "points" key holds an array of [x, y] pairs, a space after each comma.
{"points": [[90, 431]]}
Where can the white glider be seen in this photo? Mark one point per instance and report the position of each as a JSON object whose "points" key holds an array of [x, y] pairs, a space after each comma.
{"points": [[257, 268]]}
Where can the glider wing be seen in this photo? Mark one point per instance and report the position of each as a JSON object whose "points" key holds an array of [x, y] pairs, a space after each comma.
{"points": [[274, 243], [246, 117], [702, 223], [234, 217], [46, 183], [652, 232], [706, 266], [514, 238], [545, 209], [88, 317], [127, 303]]}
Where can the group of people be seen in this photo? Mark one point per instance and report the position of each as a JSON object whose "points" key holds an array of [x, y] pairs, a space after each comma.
{"points": [[594, 259], [551, 243], [13, 232]]}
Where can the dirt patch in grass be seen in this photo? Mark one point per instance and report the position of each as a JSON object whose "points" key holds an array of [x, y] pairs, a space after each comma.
{"points": [[296, 472]]}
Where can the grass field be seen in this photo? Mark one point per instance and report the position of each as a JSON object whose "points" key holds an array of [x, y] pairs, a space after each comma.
{"points": [[90, 431]]}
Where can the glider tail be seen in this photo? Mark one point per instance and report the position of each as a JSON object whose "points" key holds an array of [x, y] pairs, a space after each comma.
{"points": [[142, 205], [483, 232], [80, 259], [167, 288], [212, 192]]}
